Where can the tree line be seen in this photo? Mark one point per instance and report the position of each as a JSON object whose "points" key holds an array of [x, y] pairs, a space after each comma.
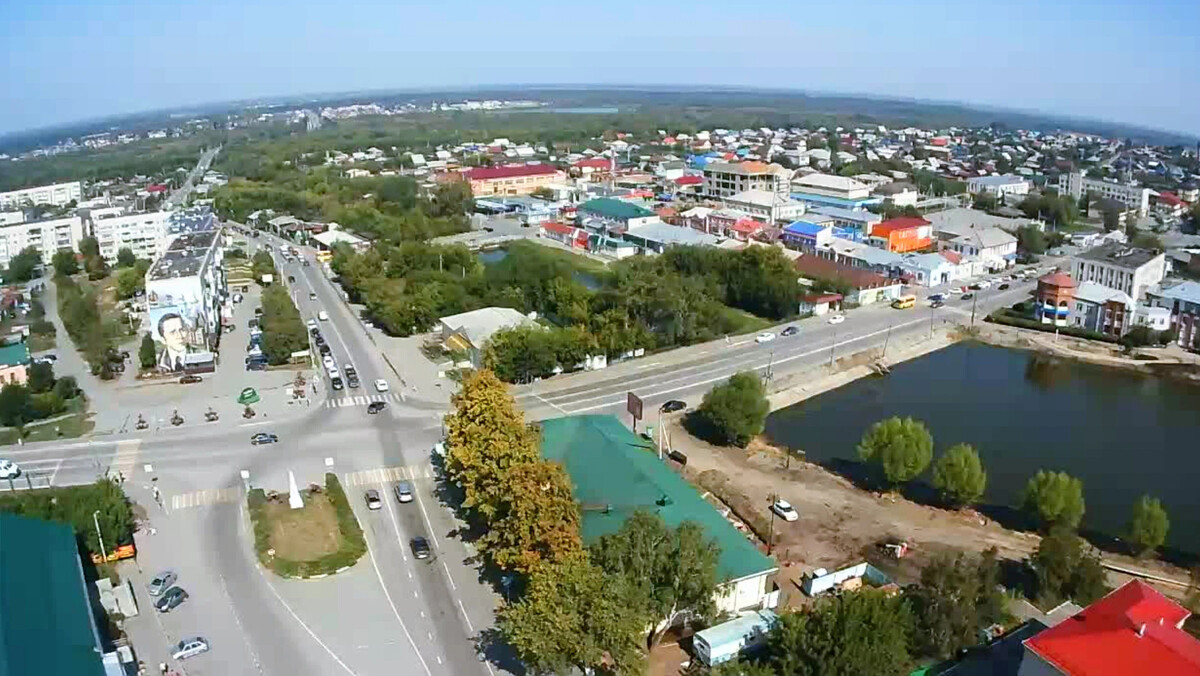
{"points": [[41, 396], [80, 507], [567, 606]]}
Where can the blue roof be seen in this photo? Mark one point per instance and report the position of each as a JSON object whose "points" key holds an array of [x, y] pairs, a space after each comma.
{"points": [[1188, 291], [856, 215], [835, 201], [804, 229]]}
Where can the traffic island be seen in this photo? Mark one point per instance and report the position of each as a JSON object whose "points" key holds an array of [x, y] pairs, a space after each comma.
{"points": [[318, 539]]}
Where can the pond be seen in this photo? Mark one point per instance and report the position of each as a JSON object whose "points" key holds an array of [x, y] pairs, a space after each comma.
{"points": [[1123, 434]]}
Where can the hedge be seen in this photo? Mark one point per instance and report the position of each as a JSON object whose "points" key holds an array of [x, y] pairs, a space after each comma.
{"points": [[353, 543], [1009, 318]]}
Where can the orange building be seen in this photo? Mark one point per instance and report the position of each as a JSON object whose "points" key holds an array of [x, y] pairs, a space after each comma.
{"points": [[901, 235], [1054, 298], [520, 179]]}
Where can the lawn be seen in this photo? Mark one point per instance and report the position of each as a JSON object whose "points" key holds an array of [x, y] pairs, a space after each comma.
{"points": [[744, 322], [304, 534], [73, 426], [40, 343]]}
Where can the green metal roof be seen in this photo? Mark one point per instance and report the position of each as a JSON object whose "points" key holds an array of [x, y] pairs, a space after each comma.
{"points": [[12, 355], [612, 467], [607, 207], [46, 623]]}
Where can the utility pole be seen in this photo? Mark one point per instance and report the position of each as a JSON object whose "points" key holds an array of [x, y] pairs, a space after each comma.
{"points": [[932, 310], [974, 299], [771, 531], [887, 338], [832, 345], [99, 536]]}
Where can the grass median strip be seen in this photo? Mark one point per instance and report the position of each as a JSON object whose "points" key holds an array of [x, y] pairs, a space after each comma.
{"points": [[318, 539]]}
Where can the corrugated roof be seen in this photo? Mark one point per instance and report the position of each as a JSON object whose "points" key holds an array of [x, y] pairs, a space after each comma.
{"points": [[607, 207], [511, 171], [15, 354], [46, 625], [615, 473]]}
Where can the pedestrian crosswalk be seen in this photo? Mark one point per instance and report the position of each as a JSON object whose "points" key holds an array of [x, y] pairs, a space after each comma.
{"points": [[212, 496], [384, 475], [363, 400]]}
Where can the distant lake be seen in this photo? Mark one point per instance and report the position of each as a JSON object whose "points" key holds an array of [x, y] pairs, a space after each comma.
{"points": [[1124, 434]]}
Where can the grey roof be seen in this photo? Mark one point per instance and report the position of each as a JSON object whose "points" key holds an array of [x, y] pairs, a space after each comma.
{"points": [[1091, 292], [1006, 179], [671, 234], [926, 261], [1120, 255], [185, 256], [1188, 292], [961, 221], [986, 238], [478, 326]]}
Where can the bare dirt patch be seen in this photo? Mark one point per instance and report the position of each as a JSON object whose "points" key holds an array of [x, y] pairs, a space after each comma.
{"points": [[304, 534]]}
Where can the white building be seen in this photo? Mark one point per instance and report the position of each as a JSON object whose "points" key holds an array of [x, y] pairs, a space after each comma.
{"points": [[828, 185], [996, 248], [184, 289], [11, 217], [469, 332], [46, 236], [1121, 267], [725, 179], [1076, 184], [144, 234], [998, 186], [771, 207], [54, 195]]}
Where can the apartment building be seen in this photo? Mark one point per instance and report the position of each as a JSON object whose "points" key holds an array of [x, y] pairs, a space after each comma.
{"points": [[726, 179], [1121, 267], [770, 207], [511, 180], [54, 195], [144, 234], [47, 236], [998, 186], [1076, 184], [827, 185], [184, 287]]}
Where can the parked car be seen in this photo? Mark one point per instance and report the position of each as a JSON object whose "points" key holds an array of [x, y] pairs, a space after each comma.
{"points": [[837, 319], [170, 599], [323, 348], [263, 438], [420, 547], [352, 382], [256, 366], [162, 582], [404, 492], [329, 363], [1003, 287], [9, 469], [764, 337], [936, 297], [376, 406], [312, 294], [937, 304], [336, 383], [784, 510], [789, 331], [373, 501], [967, 296], [189, 379], [189, 647], [323, 316], [311, 324], [381, 385], [48, 358], [673, 406]]}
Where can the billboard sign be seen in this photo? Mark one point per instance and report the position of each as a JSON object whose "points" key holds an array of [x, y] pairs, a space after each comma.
{"points": [[633, 404], [180, 336]]}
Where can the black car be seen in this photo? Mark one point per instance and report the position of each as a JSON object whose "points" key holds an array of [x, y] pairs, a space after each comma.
{"points": [[187, 380], [937, 304], [337, 384], [376, 406], [324, 348], [170, 599], [263, 438], [420, 547], [352, 382], [967, 296], [789, 331], [256, 366], [673, 406], [1003, 287], [291, 279]]}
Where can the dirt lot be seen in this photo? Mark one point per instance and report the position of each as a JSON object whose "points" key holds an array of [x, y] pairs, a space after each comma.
{"points": [[841, 524], [304, 534]]}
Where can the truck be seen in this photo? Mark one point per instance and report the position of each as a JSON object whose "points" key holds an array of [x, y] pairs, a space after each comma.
{"points": [[725, 641]]}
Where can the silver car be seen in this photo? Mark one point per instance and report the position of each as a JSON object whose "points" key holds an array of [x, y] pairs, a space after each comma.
{"points": [[162, 582], [404, 492], [189, 647]]}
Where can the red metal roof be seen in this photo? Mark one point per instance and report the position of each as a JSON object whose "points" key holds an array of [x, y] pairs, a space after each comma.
{"points": [[1133, 630], [1169, 198], [558, 228], [594, 163], [1059, 279], [690, 179], [814, 266], [510, 171], [893, 224], [157, 187], [746, 226]]}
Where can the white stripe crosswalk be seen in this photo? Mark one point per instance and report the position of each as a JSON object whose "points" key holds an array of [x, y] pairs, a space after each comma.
{"points": [[384, 475], [212, 496], [362, 400]]}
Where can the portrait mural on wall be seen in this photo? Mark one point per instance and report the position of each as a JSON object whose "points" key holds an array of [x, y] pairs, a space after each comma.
{"points": [[179, 330]]}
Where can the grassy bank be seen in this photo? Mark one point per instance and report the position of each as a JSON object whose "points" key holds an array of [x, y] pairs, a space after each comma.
{"points": [[318, 539]]}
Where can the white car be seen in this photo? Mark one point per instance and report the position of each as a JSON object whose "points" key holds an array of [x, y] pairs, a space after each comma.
{"points": [[323, 316], [381, 385], [9, 469], [764, 337], [837, 319], [784, 510], [311, 324], [189, 647], [329, 363]]}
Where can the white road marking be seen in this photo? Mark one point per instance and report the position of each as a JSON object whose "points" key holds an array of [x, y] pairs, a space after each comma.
{"points": [[395, 525], [448, 576], [388, 596], [466, 617], [55, 474], [428, 523], [550, 403]]}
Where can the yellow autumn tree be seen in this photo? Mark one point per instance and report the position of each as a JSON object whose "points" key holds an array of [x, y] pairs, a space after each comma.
{"points": [[538, 520]]}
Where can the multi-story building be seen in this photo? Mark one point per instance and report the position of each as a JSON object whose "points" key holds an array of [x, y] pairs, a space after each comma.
{"points": [[47, 236], [144, 234], [1054, 297], [184, 288], [521, 179], [996, 248], [1121, 267], [901, 235], [827, 185], [998, 186], [54, 195], [726, 179], [1101, 309], [770, 207], [1077, 183], [1183, 301]]}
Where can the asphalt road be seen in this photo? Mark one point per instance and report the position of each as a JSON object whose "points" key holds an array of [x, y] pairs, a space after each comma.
{"points": [[179, 196]]}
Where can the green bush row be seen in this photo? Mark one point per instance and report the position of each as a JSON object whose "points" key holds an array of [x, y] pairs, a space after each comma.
{"points": [[78, 506], [1008, 317], [353, 545]]}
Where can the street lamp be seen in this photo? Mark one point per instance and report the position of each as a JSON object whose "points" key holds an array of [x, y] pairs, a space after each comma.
{"points": [[833, 344], [99, 536], [771, 531]]}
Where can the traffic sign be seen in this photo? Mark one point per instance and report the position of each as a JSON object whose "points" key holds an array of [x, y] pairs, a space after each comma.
{"points": [[248, 396]]}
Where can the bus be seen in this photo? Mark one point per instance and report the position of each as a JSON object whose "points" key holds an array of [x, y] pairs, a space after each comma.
{"points": [[904, 302], [324, 256]]}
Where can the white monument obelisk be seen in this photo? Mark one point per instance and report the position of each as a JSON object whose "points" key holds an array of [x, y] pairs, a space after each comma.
{"points": [[294, 499]]}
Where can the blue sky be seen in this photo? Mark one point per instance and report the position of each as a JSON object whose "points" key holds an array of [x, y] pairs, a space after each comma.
{"points": [[1133, 62]]}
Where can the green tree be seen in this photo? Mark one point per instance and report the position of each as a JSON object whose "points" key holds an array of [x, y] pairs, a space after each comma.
{"points": [[1065, 569], [147, 352], [452, 198], [1031, 240], [669, 571], [1148, 525], [956, 598], [14, 405], [81, 507], [959, 475], [1111, 212], [1054, 499], [984, 201], [521, 353], [66, 387], [863, 632], [23, 266], [1139, 336], [40, 377], [129, 281], [574, 616], [126, 258], [737, 409], [283, 332], [65, 263], [903, 447]]}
